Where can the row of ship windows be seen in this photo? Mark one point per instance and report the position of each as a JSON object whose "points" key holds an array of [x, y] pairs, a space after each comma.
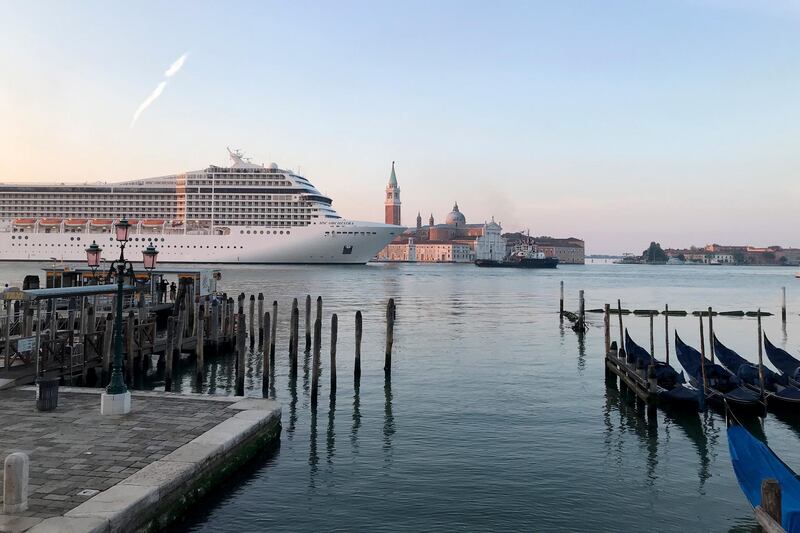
{"points": [[143, 246], [261, 232]]}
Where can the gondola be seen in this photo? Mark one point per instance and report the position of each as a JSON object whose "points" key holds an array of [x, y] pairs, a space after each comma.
{"points": [[753, 462], [671, 384], [722, 386], [787, 364], [778, 391]]}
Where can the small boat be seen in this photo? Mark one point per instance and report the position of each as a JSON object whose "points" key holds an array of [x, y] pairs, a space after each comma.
{"points": [[777, 389], [50, 222], [523, 255], [75, 222], [153, 222], [24, 221], [722, 386], [783, 361], [101, 222], [671, 384], [753, 462]]}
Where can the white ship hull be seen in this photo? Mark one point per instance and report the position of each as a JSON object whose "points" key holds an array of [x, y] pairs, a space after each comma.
{"points": [[335, 242]]}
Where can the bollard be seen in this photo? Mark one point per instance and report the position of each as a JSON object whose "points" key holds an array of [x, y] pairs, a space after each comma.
{"points": [[357, 367], [15, 483], [308, 323], [265, 354], [274, 329], [334, 338], [771, 499], [315, 362], [390, 314]]}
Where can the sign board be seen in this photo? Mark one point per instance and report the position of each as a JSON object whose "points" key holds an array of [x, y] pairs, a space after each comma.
{"points": [[206, 282], [26, 344]]}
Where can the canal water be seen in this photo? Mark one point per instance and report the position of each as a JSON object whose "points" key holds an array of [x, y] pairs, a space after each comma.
{"points": [[497, 416]]}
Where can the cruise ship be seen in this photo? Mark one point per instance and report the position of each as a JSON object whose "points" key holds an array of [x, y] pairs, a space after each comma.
{"points": [[244, 213]]}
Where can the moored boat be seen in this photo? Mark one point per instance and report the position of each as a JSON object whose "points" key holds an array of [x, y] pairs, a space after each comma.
{"points": [[721, 386], [778, 391], [753, 462], [671, 384], [783, 361], [524, 255]]}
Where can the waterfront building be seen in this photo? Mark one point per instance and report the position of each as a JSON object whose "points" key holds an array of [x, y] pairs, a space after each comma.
{"points": [[570, 251], [243, 213]]}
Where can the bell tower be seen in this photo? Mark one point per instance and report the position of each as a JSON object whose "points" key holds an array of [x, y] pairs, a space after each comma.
{"points": [[392, 203]]}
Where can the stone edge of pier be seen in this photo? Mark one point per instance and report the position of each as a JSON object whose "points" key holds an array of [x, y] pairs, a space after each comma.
{"points": [[158, 494]]}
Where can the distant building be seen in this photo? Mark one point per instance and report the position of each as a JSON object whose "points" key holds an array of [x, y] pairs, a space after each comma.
{"points": [[571, 251], [392, 203]]}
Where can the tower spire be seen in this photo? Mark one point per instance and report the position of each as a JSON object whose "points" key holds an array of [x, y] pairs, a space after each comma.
{"points": [[392, 203]]}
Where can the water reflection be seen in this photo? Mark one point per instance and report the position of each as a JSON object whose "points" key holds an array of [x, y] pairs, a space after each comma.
{"points": [[636, 417], [581, 354], [689, 422], [313, 458], [388, 421], [292, 405], [356, 416], [331, 435]]}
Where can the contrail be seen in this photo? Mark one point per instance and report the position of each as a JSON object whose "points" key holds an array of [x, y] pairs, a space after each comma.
{"points": [[171, 71], [176, 66]]}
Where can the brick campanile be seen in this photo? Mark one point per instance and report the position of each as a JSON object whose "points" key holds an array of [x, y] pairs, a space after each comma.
{"points": [[392, 202]]}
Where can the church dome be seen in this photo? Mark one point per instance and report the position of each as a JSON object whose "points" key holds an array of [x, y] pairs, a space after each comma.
{"points": [[455, 217]]}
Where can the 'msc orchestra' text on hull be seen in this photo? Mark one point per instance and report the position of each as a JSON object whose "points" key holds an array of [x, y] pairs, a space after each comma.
{"points": [[245, 213]]}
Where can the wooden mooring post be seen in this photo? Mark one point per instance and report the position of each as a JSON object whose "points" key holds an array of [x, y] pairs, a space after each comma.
{"points": [[666, 332], [357, 365], [783, 304], [293, 333], [216, 325], [771, 506], [260, 320], [621, 352], [760, 355], [108, 343], [315, 362], [251, 319], [274, 329], [334, 338], [168, 354], [200, 347], [240, 353], [308, 322], [607, 327], [561, 303], [265, 366], [703, 362], [390, 316], [711, 334], [130, 336]]}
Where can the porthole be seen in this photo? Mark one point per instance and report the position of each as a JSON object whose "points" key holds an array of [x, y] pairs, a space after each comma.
{"points": [[262, 232], [281, 232], [287, 232]]}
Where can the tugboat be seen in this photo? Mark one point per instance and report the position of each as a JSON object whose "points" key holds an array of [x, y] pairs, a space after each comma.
{"points": [[521, 256]]}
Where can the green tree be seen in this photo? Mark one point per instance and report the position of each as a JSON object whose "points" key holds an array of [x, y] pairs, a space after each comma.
{"points": [[654, 254]]}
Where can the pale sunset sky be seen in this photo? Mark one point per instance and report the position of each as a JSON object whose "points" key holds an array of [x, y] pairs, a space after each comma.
{"points": [[619, 122]]}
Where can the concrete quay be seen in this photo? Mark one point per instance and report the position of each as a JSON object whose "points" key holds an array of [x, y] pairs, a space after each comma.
{"points": [[134, 472]]}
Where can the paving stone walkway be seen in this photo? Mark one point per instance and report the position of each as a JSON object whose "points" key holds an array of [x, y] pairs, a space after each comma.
{"points": [[75, 452]]}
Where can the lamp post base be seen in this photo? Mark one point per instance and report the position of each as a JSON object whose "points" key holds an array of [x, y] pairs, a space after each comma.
{"points": [[115, 404]]}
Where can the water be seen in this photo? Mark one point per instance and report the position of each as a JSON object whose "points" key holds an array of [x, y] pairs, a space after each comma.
{"points": [[496, 417]]}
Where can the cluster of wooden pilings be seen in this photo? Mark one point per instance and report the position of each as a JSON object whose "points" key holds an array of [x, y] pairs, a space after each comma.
{"points": [[223, 325], [77, 346]]}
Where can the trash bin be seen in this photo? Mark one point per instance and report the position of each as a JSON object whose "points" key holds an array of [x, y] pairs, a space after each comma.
{"points": [[46, 394]]}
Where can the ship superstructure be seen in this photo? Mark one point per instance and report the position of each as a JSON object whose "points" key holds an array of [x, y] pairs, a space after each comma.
{"points": [[244, 213]]}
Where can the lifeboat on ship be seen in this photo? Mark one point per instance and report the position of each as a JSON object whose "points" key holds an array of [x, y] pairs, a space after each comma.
{"points": [[101, 222], [50, 222], [25, 222], [75, 222], [151, 223]]}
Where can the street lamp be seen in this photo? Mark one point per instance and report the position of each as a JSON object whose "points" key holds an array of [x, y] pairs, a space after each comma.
{"points": [[149, 259], [93, 259], [117, 399]]}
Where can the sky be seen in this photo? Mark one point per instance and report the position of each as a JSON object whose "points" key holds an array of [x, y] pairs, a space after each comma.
{"points": [[619, 122]]}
